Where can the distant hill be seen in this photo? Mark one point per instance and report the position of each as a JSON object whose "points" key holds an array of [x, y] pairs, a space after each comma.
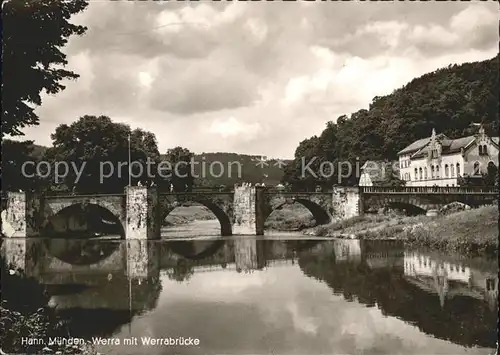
{"points": [[237, 168]]}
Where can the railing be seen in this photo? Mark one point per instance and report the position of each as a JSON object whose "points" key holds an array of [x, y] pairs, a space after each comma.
{"points": [[273, 190], [430, 190], [194, 193], [82, 195], [285, 192]]}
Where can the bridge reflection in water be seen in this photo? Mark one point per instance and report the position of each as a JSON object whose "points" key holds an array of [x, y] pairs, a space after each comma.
{"points": [[113, 281]]}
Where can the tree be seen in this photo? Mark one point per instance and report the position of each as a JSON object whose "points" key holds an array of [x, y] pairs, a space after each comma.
{"points": [[491, 178], [33, 34], [99, 148], [298, 173], [14, 155], [181, 175], [392, 177], [182, 271]]}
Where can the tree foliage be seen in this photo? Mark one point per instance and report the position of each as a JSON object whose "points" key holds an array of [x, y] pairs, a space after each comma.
{"points": [[449, 100], [33, 34], [181, 176], [14, 154], [100, 145]]}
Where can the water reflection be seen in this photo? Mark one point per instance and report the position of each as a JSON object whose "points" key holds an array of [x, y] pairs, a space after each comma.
{"points": [[357, 296]]}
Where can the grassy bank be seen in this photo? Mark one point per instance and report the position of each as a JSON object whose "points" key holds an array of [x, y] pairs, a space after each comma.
{"points": [[292, 217], [468, 232], [188, 214]]}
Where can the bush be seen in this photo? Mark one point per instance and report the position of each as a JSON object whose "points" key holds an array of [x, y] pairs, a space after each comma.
{"points": [[24, 313]]}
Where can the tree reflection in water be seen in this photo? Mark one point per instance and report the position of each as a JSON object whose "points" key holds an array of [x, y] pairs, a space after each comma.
{"points": [[182, 271], [368, 273], [463, 320], [80, 251]]}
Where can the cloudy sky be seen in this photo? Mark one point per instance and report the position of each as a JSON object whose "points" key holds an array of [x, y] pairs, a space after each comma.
{"points": [[255, 78]]}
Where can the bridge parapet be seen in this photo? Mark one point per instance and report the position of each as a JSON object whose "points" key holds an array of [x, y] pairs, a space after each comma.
{"points": [[427, 190]]}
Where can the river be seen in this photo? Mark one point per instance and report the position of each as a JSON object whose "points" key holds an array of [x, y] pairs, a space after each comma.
{"points": [[273, 294]]}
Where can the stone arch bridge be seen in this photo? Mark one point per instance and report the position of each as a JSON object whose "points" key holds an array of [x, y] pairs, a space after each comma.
{"points": [[140, 210]]}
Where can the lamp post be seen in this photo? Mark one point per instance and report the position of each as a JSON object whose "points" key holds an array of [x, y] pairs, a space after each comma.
{"points": [[129, 163]]}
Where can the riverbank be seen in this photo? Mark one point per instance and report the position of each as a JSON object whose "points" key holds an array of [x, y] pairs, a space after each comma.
{"points": [[470, 232], [27, 322], [293, 217], [187, 214]]}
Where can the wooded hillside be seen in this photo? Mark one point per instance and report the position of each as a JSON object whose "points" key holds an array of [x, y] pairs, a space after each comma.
{"points": [[449, 99]]}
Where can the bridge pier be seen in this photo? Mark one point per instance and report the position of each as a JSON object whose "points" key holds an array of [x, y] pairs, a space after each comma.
{"points": [[249, 255], [22, 215], [143, 213], [347, 202], [23, 254], [143, 259], [248, 210]]}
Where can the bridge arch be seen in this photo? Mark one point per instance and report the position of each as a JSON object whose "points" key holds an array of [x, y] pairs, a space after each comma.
{"points": [[319, 213], [84, 252], [82, 219], [411, 209], [321, 216], [191, 249], [220, 214]]}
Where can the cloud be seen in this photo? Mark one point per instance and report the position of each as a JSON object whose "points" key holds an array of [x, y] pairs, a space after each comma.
{"points": [[233, 127], [283, 312], [255, 78]]}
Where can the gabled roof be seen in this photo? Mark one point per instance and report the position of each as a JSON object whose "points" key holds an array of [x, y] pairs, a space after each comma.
{"points": [[449, 146], [417, 145], [459, 143]]}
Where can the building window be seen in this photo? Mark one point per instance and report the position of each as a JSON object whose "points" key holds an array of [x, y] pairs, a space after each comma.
{"points": [[458, 169], [420, 174], [425, 173], [446, 171], [483, 149], [416, 174], [432, 171], [480, 150], [476, 168], [452, 170], [437, 171]]}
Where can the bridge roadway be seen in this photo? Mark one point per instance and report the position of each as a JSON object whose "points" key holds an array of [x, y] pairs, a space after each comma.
{"points": [[244, 210]]}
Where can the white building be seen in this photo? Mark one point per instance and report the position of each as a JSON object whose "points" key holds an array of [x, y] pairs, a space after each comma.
{"points": [[439, 160], [439, 277]]}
